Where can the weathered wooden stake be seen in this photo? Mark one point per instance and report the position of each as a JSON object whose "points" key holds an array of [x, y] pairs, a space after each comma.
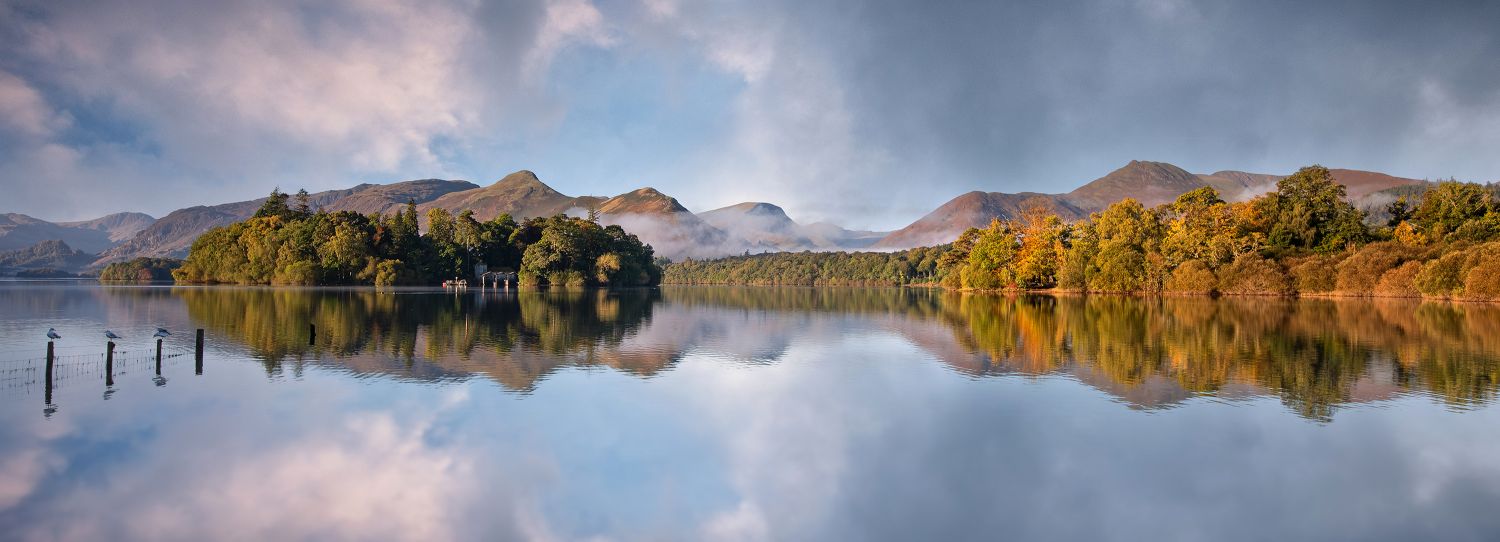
{"points": [[50, 360], [312, 334], [158, 357], [109, 364], [198, 354]]}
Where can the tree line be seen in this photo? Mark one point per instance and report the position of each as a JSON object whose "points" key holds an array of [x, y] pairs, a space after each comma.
{"points": [[140, 270], [807, 268], [288, 242], [1303, 238]]}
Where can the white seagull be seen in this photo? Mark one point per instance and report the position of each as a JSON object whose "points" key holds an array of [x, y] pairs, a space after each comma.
{"points": [[110, 334], [52, 333], [161, 332]]}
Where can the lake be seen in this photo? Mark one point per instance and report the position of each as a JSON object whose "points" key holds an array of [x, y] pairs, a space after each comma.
{"points": [[720, 413]]}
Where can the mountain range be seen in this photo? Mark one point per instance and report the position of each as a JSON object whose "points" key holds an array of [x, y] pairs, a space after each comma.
{"points": [[1151, 183], [659, 219]]}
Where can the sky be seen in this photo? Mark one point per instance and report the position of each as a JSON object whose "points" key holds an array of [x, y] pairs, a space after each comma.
{"points": [[867, 114]]}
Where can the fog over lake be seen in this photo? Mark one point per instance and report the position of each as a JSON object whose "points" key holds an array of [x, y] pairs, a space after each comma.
{"points": [[724, 413]]}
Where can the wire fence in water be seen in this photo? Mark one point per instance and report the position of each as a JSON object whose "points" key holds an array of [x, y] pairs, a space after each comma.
{"points": [[22, 377]]}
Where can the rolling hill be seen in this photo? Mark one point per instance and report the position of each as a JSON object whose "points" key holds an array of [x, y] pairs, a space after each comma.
{"points": [[1151, 183]]}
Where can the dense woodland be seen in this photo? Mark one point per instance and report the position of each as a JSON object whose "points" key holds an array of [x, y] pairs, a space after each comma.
{"points": [[140, 270], [1303, 238], [813, 268], [286, 242]]}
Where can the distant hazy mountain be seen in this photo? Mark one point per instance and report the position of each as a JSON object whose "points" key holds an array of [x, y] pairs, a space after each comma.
{"points": [[1151, 183], [761, 227], [758, 226], [118, 226], [53, 254], [826, 234], [19, 231], [660, 221]]}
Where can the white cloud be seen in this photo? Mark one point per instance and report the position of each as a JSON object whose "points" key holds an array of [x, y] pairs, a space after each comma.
{"points": [[249, 94], [746, 522], [793, 139], [336, 475], [566, 22], [367, 85]]}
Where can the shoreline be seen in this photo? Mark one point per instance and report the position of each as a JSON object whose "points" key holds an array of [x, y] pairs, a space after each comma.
{"points": [[928, 286], [1074, 292]]}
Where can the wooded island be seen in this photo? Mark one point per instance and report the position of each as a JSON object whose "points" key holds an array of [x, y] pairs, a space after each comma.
{"points": [[287, 242]]}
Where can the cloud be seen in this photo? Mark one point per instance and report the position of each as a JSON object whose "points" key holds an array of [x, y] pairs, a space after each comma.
{"points": [[355, 79], [793, 139], [25, 112], [567, 21], [860, 111], [865, 113], [810, 456], [351, 475], [312, 93]]}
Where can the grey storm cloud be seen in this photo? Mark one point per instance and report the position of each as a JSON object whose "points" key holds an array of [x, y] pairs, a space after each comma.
{"points": [[864, 113], [1045, 96]]}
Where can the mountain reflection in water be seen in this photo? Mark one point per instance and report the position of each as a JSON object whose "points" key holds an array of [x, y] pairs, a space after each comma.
{"points": [[715, 413], [1314, 355]]}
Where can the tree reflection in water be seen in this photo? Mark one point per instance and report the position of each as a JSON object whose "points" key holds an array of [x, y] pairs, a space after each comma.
{"points": [[1313, 354]]}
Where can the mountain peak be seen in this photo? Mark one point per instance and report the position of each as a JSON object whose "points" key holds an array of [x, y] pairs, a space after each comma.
{"points": [[519, 179], [521, 195], [642, 201], [755, 208], [1151, 183]]}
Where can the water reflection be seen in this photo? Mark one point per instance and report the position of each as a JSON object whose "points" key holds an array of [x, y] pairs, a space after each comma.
{"points": [[1314, 355], [515, 338], [753, 414]]}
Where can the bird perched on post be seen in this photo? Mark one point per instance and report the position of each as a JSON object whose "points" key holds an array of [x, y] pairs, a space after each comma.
{"points": [[52, 333], [161, 332], [110, 334]]}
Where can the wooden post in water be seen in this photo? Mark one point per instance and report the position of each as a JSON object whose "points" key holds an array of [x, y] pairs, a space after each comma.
{"points": [[312, 334], [198, 354], [50, 360], [158, 357], [109, 364]]}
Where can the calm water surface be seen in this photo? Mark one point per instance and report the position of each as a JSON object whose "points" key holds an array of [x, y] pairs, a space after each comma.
{"points": [[745, 414]]}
